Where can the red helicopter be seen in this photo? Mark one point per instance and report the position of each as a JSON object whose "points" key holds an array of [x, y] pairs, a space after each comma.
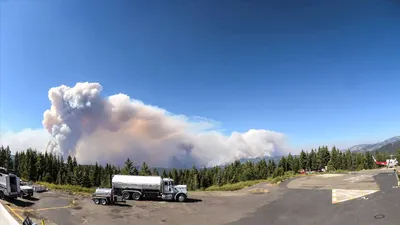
{"points": [[389, 162]]}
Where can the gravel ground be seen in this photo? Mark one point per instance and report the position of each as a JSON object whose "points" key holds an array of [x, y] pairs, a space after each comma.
{"points": [[202, 208]]}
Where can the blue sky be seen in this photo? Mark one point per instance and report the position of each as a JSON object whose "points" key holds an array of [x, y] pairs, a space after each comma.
{"points": [[318, 71]]}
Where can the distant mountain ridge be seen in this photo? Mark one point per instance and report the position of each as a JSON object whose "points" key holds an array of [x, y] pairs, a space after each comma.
{"points": [[389, 145], [376, 146]]}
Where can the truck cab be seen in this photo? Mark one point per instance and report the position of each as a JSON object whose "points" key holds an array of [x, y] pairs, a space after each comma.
{"points": [[173, 192]]}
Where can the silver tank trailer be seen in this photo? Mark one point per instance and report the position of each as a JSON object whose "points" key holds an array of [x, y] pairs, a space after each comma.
{"points": [[153, 183], [102, 192], [106, 196]]}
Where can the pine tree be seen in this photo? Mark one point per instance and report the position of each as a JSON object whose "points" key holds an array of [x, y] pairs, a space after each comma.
{"points": [[296, 164], [155, 172], [164, 174], [144, 170], [283, 164], [271, 167], [303, 160], [8, 161], [248, 171], [334, 159], [290, 162], [128, 168], [2, 156], [262, 170]]}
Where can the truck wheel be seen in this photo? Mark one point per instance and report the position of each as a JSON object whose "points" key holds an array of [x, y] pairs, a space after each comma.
{"points": [[96, 201], [103, 201], [181, 198], [1, 195], [136, 196], [126, 195]]}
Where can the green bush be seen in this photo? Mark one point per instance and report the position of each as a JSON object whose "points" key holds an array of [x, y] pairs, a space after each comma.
{"points": [[234, 186], [244, 184], [68, 187]]}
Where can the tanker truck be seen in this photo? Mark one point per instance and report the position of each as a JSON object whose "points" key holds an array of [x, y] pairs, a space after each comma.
{"points": [[125, 187]]}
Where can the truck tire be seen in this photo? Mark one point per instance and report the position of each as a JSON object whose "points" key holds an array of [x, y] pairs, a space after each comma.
{"points": [[181, 198], [96, 201], [135, 196], [103, 201], [1, 195], [126, 195]]}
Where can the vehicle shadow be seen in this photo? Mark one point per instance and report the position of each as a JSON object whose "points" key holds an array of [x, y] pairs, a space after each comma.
{"points": [[188, 200], [32, 199], [20, 203], [123, 205], [193, 200]]}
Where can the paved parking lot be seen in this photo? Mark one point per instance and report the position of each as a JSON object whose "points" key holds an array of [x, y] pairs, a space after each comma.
{"points": [[202, 208], [333, 201], [306, 200]]}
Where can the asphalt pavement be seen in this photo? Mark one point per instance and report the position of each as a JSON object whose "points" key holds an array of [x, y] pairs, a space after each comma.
{"points": [[314, 206]]}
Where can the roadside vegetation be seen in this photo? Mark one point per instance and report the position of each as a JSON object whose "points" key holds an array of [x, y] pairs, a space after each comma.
{"points": [[75, 189], [56, 173], [244, 184]]}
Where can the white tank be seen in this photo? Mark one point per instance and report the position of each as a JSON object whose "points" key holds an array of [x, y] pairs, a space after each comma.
{"points": [[137, 182], [103, 191]]}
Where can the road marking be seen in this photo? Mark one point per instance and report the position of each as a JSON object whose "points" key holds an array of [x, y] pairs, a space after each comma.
{"points": [[15, 213], [334, 199], [358, 178], [342, 195], [42, 209]]}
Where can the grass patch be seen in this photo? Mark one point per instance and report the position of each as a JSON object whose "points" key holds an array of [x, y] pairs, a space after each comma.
{"points": [[76, 189], [244, 184], [234, 186]]}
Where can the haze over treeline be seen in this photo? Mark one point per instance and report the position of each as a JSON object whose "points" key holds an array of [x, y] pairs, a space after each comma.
{"points": [[36, 166]]}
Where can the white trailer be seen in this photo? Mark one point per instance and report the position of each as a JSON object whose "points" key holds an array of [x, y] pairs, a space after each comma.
{"points": [[141, 187], [9, 185]]}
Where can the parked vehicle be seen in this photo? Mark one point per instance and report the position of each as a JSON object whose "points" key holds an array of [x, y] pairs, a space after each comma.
{"points": [[26, 190], [9, 185], [126, 187], [106, 196]]}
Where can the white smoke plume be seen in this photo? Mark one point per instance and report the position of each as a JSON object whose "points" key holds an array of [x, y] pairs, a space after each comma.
{"points": [[93, 128]]}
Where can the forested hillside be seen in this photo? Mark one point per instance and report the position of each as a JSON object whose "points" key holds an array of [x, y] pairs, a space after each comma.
{"points": [[390, 148], [34, 166]]}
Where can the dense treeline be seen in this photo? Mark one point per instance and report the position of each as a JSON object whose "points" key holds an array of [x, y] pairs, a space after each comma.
{"points": [[35, 166]]}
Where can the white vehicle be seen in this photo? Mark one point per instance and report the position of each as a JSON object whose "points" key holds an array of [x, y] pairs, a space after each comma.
{"points": [[9, 185], [141, 187], [26, 190]]}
